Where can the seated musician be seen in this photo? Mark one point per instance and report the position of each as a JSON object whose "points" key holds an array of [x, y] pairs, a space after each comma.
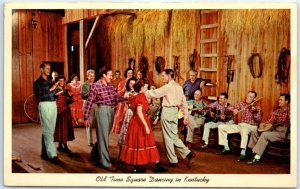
{"points": [[196, 118], [278, 121], [251, 116], [219, 113]]}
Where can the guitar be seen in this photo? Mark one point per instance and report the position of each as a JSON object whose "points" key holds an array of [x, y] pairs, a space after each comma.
{"points": [[191, 110], [218, 115], [269, 126]]}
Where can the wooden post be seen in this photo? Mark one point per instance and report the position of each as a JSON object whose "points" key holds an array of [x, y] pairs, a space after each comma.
{"points": [[82, 52]]}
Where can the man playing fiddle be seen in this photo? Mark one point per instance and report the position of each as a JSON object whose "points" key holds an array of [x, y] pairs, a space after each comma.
{"points": [[219, 114], [250, 117], [280, 117]]}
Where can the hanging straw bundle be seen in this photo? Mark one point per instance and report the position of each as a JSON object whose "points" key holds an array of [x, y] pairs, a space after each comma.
{"points": [[254, 21]]}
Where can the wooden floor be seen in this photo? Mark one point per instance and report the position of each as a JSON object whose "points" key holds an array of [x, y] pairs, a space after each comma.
{"points": [[27, 139]]}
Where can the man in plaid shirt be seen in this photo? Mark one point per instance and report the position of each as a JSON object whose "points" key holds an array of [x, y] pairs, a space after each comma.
{"points": [[281, 116], [104, 95], [222, 109], [250, 118]]}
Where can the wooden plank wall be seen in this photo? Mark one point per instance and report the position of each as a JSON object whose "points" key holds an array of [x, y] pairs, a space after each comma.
{"points": [[241, 45], [268, 42], [31, 46]]}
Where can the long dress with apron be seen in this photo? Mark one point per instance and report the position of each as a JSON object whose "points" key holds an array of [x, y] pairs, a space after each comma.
{"points": [[121, 109], [64, 130]]}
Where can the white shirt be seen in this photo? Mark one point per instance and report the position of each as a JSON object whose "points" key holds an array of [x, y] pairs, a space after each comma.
{"points": [[172, 94]]}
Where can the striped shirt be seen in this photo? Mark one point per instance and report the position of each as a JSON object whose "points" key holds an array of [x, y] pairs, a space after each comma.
{"points": [[279, 116], [100, 94], [248, 116]]}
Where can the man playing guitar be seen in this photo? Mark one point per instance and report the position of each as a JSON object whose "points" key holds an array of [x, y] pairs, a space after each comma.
{"points": [[220, 113], [196, 119], [281, 117], [250, 117]]}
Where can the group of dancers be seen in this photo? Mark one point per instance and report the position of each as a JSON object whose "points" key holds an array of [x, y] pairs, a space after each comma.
{"points": [[122, 109]]}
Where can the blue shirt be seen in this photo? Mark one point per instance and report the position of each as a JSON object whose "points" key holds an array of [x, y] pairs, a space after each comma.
{"points": [[189, 88], [42, 91]]}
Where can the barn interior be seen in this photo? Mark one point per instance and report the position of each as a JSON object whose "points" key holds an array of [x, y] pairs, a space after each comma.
{"points": [[218, 43]]}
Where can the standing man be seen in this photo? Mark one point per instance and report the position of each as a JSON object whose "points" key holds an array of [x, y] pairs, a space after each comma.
{"points": [[219, 114], [173, 98], [259, 141], [250, 118], [85, 92], [193, 84], [45, 90], [104, 95], [196, 118]]}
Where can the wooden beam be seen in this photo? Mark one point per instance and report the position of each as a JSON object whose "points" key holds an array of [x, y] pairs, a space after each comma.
{"points": [[208, 11], [206, 26], [92, 31], [209, 55], [208, 40], [82, 53]]}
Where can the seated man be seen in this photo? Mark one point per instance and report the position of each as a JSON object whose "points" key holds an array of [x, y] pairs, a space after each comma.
{"points": [[193, 84], [250, 118], [281, 117], [196, 118], [219, 113]]}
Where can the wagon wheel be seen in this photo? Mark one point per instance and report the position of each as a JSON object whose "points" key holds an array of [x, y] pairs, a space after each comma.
{"points": [[31, 108]]}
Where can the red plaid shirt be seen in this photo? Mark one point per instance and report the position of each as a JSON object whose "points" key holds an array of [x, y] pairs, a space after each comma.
{"points": [[222, 108], [252, 118], [100, 94], [280, 115]]}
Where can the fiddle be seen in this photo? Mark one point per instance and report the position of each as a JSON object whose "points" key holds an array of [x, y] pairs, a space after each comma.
{"points": [[249, 105]]}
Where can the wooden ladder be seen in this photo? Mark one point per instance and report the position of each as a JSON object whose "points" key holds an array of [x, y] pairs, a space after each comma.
{"points": [[209, 51]]}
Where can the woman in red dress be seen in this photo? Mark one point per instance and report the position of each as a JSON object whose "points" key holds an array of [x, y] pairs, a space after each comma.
{"points": [[122, 106], [139, 147], [64, 129], [76, 106]]}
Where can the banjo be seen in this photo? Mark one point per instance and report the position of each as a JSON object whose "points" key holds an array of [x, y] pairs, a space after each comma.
{"points": [[269, 126]]}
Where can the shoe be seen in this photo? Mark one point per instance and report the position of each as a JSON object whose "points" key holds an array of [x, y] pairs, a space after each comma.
{"points": [[189, 145], [191, 155], [44, 157], [190, 158], [223, 152], [204, 146], [253, 161], [159, 168], [138, 169], [60, 149], [55, 160], [172, 165], [241, 158], [111, 168]]}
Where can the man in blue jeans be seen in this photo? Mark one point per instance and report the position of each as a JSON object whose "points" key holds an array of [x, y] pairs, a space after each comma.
{"points": [[45, 90]]}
